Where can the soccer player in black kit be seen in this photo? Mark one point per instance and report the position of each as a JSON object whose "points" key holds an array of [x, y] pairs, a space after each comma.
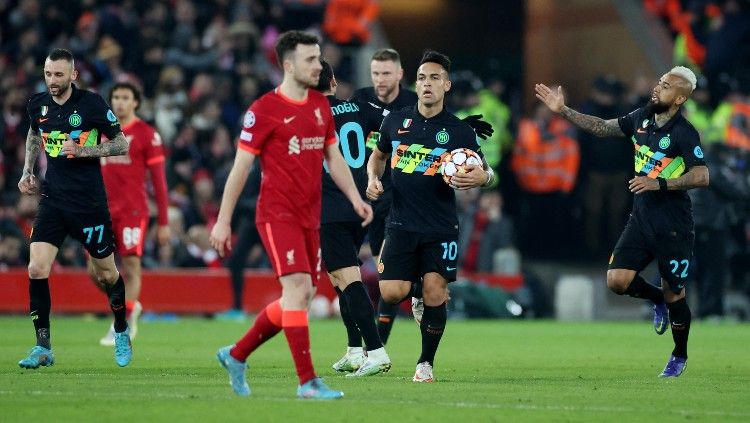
{"points": [[67, 123], [387, 93], [668, 161], [342, 233], [421, 241]]}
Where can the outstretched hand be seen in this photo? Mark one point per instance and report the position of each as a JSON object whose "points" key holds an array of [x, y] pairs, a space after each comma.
{"points": [[553, 98], [482, 128]]}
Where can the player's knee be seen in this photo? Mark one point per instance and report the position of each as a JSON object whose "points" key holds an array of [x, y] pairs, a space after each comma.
{"points": [[105, 277], [434, 294], [393, 292], [618, 282], [38, 270]]}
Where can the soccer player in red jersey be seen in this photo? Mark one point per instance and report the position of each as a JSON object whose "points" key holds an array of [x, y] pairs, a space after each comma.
{"points": [[124, 180], [292, 130]]}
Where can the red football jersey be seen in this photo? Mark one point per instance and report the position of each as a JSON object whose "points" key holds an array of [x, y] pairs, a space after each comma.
{"points": [[125, 176], [289, 136]]}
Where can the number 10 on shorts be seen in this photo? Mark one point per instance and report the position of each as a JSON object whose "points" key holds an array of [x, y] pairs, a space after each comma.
{"points": [[450, 250]]}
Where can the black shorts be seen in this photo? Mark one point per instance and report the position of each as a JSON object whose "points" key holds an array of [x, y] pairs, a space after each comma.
{"points": [[340, 243], [408, 256], [673, 249], [93, 229], [376, 228]]}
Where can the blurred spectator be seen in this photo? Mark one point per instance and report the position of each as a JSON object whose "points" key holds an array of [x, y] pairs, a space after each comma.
{"points": [[484, 233], [738, 129], [545, 161], [477, 100], [606, 167], [712, 215], [347, 22], [710, 123]]}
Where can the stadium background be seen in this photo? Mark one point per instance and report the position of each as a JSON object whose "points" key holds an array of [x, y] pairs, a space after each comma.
{"points": [[530, 247]]}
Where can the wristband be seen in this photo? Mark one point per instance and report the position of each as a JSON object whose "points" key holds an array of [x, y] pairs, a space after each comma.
{"points": [[662, 184], [490, 174]]}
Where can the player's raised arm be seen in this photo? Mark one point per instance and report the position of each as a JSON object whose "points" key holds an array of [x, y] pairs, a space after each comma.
{"points": [[28, 183], [555, 100], [342, 176], [222, 230], [375, 169]]}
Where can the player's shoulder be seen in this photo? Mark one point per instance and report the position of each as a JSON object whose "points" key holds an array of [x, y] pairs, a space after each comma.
{"points": [[38, 98], [364, 94]]}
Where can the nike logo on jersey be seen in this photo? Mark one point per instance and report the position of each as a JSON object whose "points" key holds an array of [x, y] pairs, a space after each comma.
{"points": [[450, 269], [289, 119], [102, 250], [43, 120], [402, 131], [640, 131]]}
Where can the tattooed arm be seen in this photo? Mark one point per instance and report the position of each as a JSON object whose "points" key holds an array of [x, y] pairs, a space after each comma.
{"points": [[696, 177], [555, 100], [28, 184], [115, 147], [593, 124]]}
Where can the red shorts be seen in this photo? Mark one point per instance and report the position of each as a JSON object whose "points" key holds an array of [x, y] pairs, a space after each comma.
{"points": [[129, 234], [291, 248]]}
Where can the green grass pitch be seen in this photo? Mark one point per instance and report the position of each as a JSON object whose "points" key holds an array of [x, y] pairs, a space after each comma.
{"points": [[486, 371]]}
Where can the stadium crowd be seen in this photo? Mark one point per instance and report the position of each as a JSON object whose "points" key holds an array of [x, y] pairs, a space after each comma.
{"points": [[201, 62]]}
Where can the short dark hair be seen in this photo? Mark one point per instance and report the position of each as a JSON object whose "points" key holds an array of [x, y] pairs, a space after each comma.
{"points": [[126, 86], [60, 54], [326, 76], [288, 41], [433, 56], [386, 54]]}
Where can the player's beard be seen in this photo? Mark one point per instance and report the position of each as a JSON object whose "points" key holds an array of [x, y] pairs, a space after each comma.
{"points": [[657, 107], [61, 89]]}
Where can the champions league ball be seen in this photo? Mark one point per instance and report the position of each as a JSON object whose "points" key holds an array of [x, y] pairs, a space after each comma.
{"points": [[456, 161]]}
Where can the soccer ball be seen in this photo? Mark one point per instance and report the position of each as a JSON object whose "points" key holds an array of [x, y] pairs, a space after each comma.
{"points": [[455, 162]]}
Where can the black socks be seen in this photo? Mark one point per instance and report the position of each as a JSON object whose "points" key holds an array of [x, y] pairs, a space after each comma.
{"points": [[680, 316], [116, 294], [352, 333], [39, 308], [387, 313], [432, 327], [362, 312], [639, 288]]}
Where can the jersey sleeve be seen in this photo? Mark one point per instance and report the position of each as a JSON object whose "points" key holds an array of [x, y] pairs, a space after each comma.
{"points": [[257, 127], [629, 122], [690, 148], [104, 118], [32, 116], [384, 140]]}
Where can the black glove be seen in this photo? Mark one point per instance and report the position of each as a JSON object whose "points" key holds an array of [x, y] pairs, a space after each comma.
{"points": [[482, 128]]}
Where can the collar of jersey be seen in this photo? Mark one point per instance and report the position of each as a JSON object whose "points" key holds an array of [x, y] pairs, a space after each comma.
{"points": [[437, 118], [667, 126], [291, 100], [74, 94]]}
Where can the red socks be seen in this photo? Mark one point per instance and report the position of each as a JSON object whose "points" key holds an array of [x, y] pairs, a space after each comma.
{"points": [[270, 322], [266, 326], [297, 334]]}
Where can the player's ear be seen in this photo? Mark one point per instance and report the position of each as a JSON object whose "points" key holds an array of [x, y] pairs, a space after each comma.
{"points": [[400, 73], [447, 85], [74, 75], [334, 83], [680, 99]]}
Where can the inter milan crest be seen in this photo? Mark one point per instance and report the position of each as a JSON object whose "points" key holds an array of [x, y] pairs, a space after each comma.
{"points": [[664, 142], [442, 137], [75, 120]]}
